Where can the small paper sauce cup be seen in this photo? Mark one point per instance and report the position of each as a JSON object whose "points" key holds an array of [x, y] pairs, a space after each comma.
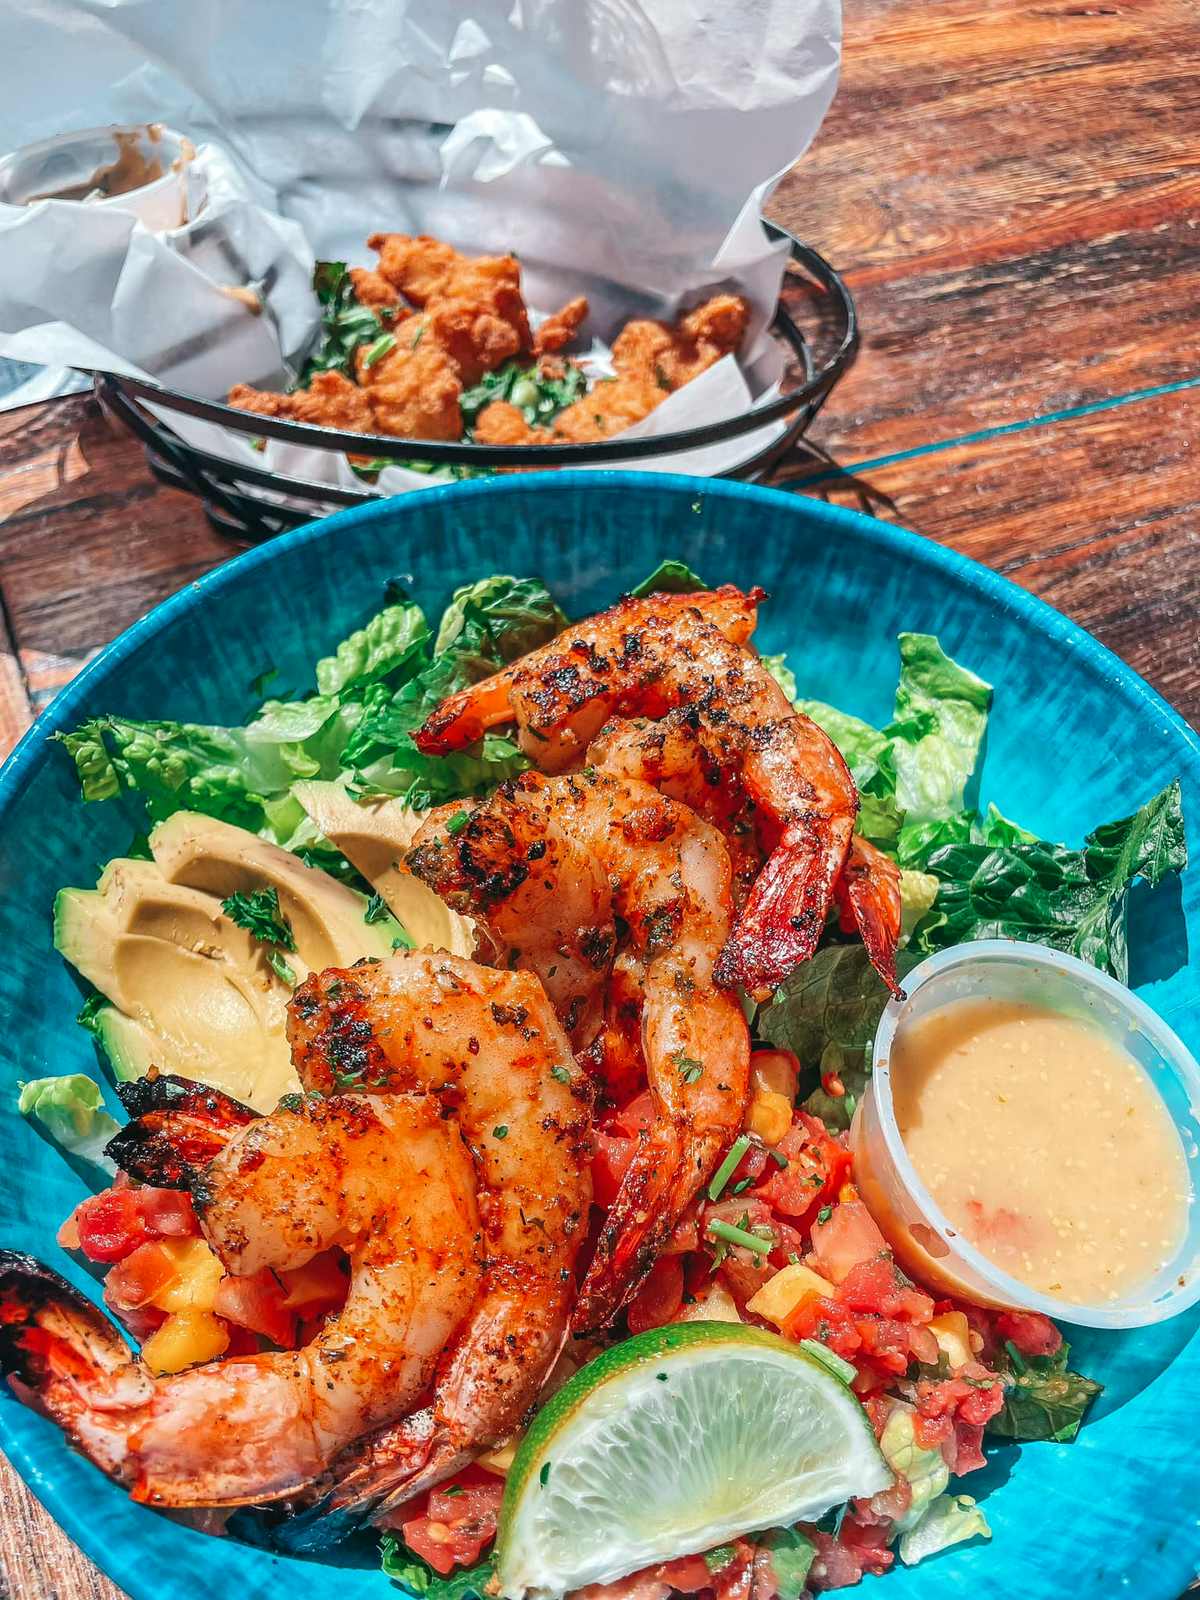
{"points": [[68, 166], [925, 1242]]}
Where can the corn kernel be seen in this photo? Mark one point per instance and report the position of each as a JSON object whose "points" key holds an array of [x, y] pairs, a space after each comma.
{"points": [[953, 1334], [781, 1295], [769, 1115], [185, 1339], [197, 1274]]}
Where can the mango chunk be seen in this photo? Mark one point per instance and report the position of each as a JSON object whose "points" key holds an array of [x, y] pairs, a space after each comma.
{"points": [[780, 1296], [186, 1339], [197, 1274], [953, 1334]]}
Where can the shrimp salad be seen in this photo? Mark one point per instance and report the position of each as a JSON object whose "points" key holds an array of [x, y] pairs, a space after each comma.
{"points": [[505, 996]]}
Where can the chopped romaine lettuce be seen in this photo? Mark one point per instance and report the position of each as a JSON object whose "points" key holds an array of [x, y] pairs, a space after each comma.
{"points": [[69, 1112], [792, 1554], [372, 693], [385, 646], [951, 1519], [669, 577], [925, 1470]]}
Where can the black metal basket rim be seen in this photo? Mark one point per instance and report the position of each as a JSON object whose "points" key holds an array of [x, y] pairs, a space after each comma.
{"points": [[387, 446]]}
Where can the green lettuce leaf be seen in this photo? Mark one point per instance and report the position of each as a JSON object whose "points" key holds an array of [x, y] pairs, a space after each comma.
{"points": [[951, 1519], [490, 623], [416, 1577], [1045, 1399], [372, 693], [345, 324], [936, 730], [784, 676], [827, 1012], [1074, 900], [669, 577], [792, 1554], [389, 644], [69, 1113], [925, 1470]]}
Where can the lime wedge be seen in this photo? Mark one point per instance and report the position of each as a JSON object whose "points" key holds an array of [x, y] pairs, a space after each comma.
{"points": [[672, 1443]]}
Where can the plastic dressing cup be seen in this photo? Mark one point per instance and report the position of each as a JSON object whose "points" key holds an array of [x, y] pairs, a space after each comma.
{"points": [[52, 168], [925, 1242]]}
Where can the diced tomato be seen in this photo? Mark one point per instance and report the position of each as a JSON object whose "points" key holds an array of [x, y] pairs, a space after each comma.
{"points": [[138, 1278], [460, 1520], [659, 1299], [869, 1542], [470, 1498], [142, 1322], [879, 1285], [167, 1213], [836, 1565], [686, 1574], [967, 1447], [633, 1118], [816, 1166], [846, 1237], [319, 1286], [112, 1224], [1031, 1332], [610, 1163], [257, 1303], [884, 1343], [827, 1321], [742, 1270]]}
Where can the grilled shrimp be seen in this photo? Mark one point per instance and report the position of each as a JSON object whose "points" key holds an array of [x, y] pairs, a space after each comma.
{"points": [[387, 1180], [561, 694], [487, 1046], [687, 655], [664, 873], [699, 761]]}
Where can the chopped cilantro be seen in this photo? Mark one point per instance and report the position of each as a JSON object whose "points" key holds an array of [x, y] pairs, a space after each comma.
{"points": [[258, 912]]}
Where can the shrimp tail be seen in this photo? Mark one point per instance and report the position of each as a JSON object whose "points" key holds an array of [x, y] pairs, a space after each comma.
{"points": [[661, 1183], [373, 1468], [176, 1128], [465, 717], [784, 914], [868, 896], [61, 1356]]}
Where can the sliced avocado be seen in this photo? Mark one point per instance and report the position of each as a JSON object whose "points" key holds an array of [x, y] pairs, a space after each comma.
{"points": [[258, 1078], [143, 901], [327, 919], [191, 991], [207, 1016], [374, 836]]}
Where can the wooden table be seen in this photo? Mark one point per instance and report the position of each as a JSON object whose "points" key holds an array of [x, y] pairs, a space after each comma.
{"points": [[1012, 188]]}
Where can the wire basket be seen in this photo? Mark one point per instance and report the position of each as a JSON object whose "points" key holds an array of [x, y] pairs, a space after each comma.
{"points": [[252, 503]]}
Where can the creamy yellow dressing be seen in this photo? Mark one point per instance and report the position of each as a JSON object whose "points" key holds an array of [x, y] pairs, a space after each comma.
{"points": [[1044, 1143]]}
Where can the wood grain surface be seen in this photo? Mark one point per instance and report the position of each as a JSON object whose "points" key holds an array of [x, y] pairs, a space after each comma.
{"points": [[1012, 190]]}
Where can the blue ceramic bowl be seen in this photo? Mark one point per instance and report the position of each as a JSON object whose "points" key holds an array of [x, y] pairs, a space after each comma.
{"points": [[1075, 739]]}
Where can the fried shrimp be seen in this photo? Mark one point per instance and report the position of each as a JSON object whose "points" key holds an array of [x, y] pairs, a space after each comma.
{"points": [[528, 862], [685, 658], [487, 1047], [386, 1179]]}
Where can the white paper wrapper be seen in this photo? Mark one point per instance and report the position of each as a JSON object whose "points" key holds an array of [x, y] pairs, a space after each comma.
{"points": [[623, 149]]}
